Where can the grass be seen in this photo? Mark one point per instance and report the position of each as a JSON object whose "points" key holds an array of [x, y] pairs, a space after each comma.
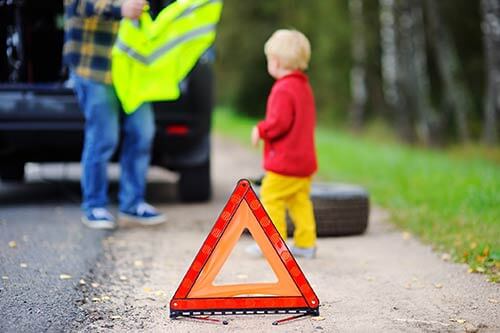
{"points": [[449, 198]]}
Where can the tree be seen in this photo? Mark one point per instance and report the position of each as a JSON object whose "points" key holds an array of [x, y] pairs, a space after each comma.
{"points": [[358, 70], [491, 38], [391, 66], [456, 93]]}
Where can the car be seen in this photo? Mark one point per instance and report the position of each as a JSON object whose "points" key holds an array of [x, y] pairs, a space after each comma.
{"points": [[40, 120]]}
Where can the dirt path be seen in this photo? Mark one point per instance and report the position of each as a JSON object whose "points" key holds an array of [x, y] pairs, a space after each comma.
{"points": [[383, 281]]}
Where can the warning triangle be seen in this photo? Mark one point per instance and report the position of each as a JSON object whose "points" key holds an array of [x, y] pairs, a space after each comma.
{"points": [[197, 294]]}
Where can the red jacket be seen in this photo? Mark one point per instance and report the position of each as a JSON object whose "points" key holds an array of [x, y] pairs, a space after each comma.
{"points": [[288, 130]]}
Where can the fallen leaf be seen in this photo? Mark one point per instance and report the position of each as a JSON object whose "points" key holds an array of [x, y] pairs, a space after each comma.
{"points": [[95, 285], [492, 300], [406, 235], [446, 256], [457, 320], [82, 282], [146, 289], [438, 285], [318, 318], [65, 276], [105, 298], [138, 263], [23, 265], [5, 277], [469, 328], [12, 244], [160, 293], [480, 269]]}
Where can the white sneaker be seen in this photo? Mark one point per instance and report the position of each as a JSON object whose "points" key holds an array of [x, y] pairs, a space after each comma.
{"points": [[303, 252]]}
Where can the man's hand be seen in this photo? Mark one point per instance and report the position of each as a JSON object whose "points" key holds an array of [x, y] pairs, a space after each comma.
{"points": [[132, 9], [255, 136]]}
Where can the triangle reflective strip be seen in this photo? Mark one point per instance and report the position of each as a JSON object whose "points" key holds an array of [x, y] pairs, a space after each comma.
{"points": [[197, 294]]}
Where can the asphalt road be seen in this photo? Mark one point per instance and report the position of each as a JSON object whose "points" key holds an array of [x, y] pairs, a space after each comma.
{"points": [[44, 251]]}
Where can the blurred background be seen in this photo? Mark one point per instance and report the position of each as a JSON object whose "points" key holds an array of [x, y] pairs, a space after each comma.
{"points": [[425, 70]]}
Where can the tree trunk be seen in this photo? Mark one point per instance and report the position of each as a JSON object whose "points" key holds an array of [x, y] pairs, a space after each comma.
{"points": [[425, 112], [394, 68], [406, 70], [455, 90], [491, 38], [358, 71]]}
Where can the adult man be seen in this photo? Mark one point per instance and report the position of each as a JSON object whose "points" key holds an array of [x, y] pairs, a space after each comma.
{"points": [[91, 28]]}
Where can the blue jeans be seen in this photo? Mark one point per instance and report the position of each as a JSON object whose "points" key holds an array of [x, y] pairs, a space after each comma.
{"points": [[101, 109]]}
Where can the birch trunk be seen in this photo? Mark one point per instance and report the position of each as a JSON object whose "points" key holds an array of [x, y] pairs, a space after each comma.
{"points": [[358, 71], [394, 68], [456, 93], [491, 38], [426, 114]]}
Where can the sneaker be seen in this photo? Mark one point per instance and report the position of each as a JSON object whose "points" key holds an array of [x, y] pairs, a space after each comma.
{"points": [[253, 250], [99, 218], [303, 252], [144, 214]]}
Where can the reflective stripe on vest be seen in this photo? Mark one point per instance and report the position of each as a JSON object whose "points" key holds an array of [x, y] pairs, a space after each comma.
{"points": [[151, 58]]}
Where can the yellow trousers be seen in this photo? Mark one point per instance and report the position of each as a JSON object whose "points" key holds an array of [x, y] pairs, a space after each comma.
{"points": [[281, 193]]}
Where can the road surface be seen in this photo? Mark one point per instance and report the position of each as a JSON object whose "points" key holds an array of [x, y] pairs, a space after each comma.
{"points": [[382, 281]]}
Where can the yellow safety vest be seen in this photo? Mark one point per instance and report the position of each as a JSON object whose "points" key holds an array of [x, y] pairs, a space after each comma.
{"points": [[151, 58]]}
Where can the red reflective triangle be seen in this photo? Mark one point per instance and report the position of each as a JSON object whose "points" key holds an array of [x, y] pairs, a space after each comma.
{"points": [[197, 294]]}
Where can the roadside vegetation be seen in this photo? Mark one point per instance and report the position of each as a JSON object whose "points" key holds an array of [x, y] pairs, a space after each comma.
{"points": [[449, 198]]}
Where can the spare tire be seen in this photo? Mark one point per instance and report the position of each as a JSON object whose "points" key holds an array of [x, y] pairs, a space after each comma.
{"points": [[339, 209]]}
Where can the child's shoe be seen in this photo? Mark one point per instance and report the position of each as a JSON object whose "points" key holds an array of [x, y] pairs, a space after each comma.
{"points": [[303, 252]]}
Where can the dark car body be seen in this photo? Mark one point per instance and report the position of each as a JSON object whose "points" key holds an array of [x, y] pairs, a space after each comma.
{"points": [[40, 120]]}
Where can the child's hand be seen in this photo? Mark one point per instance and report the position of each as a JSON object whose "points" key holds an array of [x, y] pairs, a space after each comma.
{"points": [[255, 136]]}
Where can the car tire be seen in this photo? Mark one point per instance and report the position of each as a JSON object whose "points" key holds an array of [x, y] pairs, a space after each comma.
{"points": [[12, 172], [195, 183], [339, 209]]}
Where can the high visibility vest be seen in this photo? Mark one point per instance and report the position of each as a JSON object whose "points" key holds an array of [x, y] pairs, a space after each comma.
{"points": [[151, 58]]}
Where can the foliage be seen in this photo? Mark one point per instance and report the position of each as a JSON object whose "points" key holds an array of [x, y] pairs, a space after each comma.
{"points": [[449, 199]]}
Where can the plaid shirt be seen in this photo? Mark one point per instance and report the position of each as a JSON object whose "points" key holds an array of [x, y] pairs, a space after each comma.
{"points": [[91, 27]]}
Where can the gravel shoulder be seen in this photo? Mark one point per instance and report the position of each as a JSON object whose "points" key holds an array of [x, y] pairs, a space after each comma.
{"points": [[383, 281]]}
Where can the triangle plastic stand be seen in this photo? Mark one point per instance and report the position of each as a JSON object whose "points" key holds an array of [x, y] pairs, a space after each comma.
{"points": [[197, 295]]}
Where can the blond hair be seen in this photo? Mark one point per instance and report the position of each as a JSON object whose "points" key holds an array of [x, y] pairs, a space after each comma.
{"points": [[291, 47]]}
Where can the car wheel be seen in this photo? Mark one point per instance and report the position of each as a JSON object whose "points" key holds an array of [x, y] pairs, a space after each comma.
{"points": [[12, 172], [195, 184]]}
